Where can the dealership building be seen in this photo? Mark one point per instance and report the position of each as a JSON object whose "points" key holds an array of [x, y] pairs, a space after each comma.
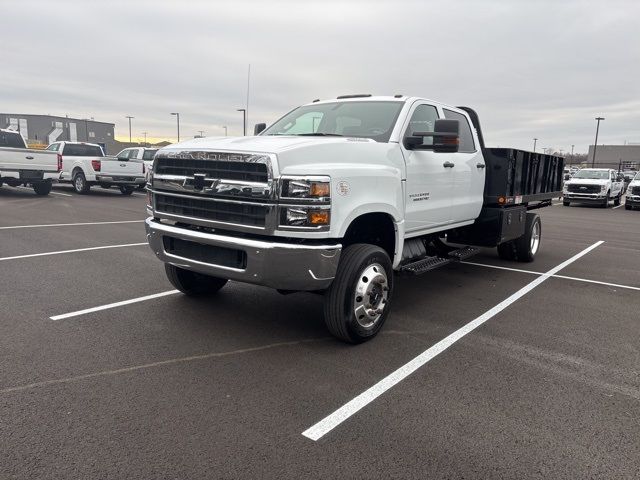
{"points": [[41, 130], [612, 156]]}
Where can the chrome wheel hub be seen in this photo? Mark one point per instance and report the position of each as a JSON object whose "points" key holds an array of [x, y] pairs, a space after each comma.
{"points": [[372, 292], [535, 238]]}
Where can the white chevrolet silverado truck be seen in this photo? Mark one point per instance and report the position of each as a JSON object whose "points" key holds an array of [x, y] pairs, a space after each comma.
{"points": [[20, 165], [338, 196], [633, 193], [594, 185], [85, 164]]}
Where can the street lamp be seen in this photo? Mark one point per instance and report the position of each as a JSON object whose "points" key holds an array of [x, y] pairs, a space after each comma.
{"points": [[129, 117], [201, 132], [535, 140], [244, 120], [145, 138], [595, 145], [178, 118], [225, 130]]}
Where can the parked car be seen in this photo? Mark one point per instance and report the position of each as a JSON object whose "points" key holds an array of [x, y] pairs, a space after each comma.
{"points": [[85, 165], [594, 185], [633, 193], [20, 165], [140, 154], [338, 195]]}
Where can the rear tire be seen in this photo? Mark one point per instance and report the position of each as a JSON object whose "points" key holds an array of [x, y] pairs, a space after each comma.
{"points": [[126, 190], [42, 188], [528, 245], [80, 184], [628, 207], [193, 283], [358, 301]]}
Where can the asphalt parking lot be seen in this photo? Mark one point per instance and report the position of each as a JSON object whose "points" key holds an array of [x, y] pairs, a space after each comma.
{"points": [[173, 387]]}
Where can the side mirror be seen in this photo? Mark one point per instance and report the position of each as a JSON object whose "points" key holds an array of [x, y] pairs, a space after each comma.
{"points": [[446, 137], [259, 127]]}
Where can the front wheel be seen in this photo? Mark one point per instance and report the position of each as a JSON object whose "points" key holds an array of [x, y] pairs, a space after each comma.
{"points": [[42, 188], [357, 303], [566, 203], [628, 207], [126, 190], [193, 283], [528, 244], [605, 204], [616, 201]]}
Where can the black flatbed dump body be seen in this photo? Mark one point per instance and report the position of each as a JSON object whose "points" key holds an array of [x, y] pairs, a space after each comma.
{"points": [[515, 181], [517, 177]]}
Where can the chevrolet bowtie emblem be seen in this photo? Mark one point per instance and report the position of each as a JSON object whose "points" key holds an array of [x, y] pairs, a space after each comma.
{"points": [[198, 181]]}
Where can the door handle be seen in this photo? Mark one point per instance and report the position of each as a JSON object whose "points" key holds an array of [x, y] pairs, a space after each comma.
{"points": [[480, 165], [448, 164], [29, 158]]}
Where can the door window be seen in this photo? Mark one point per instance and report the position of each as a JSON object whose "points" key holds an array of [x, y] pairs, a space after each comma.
{"points": [[466, 137], [423, 120]]}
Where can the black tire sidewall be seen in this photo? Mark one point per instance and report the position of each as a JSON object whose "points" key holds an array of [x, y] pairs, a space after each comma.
{"points": [[523, 244], [345, 283], [84, 183]]}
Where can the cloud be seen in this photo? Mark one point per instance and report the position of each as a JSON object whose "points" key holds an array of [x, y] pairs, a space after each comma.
{"points": [[530, 68]]}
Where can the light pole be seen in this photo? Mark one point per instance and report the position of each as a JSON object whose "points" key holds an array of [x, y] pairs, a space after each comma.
{"points": [[595, 145], [201, 132], [178, 118], [145, 138], [244, 120], [535, 140], [225, 130], [129, 117]]}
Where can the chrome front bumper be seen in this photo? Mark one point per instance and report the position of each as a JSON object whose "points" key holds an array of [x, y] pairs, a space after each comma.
{"points": [[120, 180], [286, 266]]}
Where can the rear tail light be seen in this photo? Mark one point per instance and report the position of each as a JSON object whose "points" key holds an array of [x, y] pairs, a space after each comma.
{"points": [[59, 162], [95, 164]]}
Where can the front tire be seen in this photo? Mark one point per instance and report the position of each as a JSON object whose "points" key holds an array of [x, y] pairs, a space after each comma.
{"points": [[42, 188], [358, 301], [80, 184], [527, 245], [193, 283], [616, 201], [628, 207], [566, 203], [606, 201]]}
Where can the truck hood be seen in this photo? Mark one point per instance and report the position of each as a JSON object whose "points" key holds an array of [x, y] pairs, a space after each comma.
{"points": [[586, 181], [260, 144]]}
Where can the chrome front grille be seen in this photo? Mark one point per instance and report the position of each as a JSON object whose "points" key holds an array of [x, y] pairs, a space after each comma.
{"points": [[188, 207], [214, 189]]}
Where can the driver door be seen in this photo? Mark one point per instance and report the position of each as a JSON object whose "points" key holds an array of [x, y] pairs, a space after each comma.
{"points": [[430, 179]]}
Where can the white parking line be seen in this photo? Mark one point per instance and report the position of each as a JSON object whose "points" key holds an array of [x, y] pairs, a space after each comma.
{"points": [[68, 224], [113, 305], [17, 257], [330, 422], [586, 280]]}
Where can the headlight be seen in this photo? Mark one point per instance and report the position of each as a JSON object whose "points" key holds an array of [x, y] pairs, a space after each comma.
{"points": [[311, 218], [312, 188], [603, 188]]}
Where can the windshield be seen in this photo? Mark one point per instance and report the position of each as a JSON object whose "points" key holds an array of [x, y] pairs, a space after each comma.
{"points": [[373, 120], [592, 174], [148, 154]]}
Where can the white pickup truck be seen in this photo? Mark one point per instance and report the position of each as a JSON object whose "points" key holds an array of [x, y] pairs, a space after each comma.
{"points": [[338, 195], [20, 165], [140, 154], [85, 164], [594, 185], [633, 193]]}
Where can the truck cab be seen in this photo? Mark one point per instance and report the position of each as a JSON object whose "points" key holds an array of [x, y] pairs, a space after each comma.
{"points": [[336, 196]]}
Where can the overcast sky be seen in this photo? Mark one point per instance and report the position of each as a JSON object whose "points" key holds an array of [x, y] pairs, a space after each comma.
{"points": [[540, 69]]}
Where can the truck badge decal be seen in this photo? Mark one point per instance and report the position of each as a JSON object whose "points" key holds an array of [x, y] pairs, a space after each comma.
{"points": [[198, 181], [343, 188], [419, 197]]}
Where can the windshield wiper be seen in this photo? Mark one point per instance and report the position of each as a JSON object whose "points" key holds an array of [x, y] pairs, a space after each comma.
{"points": [[318, 134]]}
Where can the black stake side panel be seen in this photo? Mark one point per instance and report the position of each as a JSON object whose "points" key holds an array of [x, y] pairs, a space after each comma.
{"points": [[517, 173]]}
